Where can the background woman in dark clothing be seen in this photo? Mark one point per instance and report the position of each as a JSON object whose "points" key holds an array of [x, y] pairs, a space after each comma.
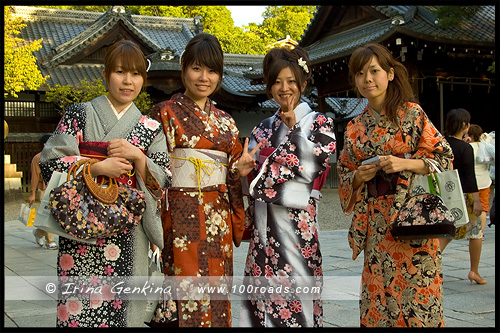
{"points": [[457, 125]]}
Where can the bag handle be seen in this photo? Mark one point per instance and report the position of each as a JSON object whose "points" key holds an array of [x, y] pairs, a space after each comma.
{"points": [[73, 170], [435, 166], [106, 195]]}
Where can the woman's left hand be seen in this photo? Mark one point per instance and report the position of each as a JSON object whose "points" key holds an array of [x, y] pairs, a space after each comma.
{"points": [[246, 162]]}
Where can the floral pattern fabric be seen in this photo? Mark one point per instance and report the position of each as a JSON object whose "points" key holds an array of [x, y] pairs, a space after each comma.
{"points": [[87, 272], [284, 247], [199, 235], [401, 280]]}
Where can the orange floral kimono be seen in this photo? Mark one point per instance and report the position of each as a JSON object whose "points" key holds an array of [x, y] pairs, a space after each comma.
{"points": [[401, 281], [200, 224]]}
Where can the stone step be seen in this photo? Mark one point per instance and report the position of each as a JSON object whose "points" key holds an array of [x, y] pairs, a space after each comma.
{"points": [[10, 171]]}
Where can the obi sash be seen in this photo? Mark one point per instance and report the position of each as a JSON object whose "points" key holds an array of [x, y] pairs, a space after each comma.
{"points": [[198, 168], [383, 184], [99, 151]]}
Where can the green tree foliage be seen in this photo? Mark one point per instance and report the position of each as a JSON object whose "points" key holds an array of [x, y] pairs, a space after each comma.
{"points": [[20, 68], [280, 21], [64, 96]]}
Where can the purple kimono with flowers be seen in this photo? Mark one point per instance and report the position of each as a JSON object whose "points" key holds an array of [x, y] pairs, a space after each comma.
{"points": [[91, 276], [284, 249]]}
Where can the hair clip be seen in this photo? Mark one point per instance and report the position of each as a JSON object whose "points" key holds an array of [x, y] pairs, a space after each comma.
{"points": [[180, 58], [149, 64], [302, 63]]}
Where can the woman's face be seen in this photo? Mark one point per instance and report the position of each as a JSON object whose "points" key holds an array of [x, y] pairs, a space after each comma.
{"points": [[123, 87], [372, 81], [285, 88], [200, 82]]}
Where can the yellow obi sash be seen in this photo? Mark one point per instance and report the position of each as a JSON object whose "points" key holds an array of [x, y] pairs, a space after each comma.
{"points": [[198, 168]]}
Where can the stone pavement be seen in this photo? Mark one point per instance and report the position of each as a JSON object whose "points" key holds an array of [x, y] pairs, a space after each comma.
{"points": [[465, 305]]}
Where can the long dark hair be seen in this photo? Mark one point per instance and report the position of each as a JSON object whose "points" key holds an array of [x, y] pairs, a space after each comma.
{"points": [[278, 58], [399, 90]]}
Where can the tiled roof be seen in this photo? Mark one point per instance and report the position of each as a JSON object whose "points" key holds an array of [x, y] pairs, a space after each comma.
{"points": [[480, 28], [73, 74], [346, 107], [343, 43], [415, 20]]}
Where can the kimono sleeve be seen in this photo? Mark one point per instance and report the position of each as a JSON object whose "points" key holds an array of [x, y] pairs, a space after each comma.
{"points": [[430, 142], [235, 193], [158, 174], [351, 200], [307, 151], [250, 210], [61, 150]]}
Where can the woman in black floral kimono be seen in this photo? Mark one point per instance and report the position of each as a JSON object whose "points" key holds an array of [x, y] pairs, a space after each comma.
{"points": [[284, 188]]}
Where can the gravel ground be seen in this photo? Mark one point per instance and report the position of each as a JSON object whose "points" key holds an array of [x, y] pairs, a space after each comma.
{"points": [[331, 216]]}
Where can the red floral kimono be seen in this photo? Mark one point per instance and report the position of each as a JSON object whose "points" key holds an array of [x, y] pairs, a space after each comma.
{"points": [[200, 224], [402, 280]]}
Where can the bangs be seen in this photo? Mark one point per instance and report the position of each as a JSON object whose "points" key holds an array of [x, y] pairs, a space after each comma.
{"points": [[131, 61], [274, 71], [129, 56], [359, 59], [206, 55]]}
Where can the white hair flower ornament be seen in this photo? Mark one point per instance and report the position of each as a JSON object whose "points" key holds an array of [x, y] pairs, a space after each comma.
{"points": [[303, 64]]}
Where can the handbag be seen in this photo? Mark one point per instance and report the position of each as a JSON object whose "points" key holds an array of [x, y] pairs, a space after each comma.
{"points": [[87, 210], [27, 215], [424, 214], [447, 185], [44, 219]]}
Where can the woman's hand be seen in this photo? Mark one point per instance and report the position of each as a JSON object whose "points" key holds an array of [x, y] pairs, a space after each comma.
{"points": [[246, 162], [392, 164], [288, 116], [112, 167], [364, 173], [124, 149], [477, 208]]}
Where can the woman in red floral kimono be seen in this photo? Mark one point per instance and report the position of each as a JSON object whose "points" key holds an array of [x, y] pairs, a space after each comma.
{"points": [[205, 212], [402, 280]]}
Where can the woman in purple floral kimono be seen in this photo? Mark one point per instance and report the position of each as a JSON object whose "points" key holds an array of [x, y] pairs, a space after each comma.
{"points": [[110, 126], [284, 187]]}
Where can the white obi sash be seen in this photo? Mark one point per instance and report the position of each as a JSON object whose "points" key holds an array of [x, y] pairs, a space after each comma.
{"points": [[198, 168]]}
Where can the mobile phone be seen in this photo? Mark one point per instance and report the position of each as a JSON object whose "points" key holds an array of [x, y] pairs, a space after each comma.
{"points": [[374, 160]]}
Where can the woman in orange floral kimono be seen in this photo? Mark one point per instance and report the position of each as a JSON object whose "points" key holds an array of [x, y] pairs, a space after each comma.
{"points": [[205, 212], [401, 280]]}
